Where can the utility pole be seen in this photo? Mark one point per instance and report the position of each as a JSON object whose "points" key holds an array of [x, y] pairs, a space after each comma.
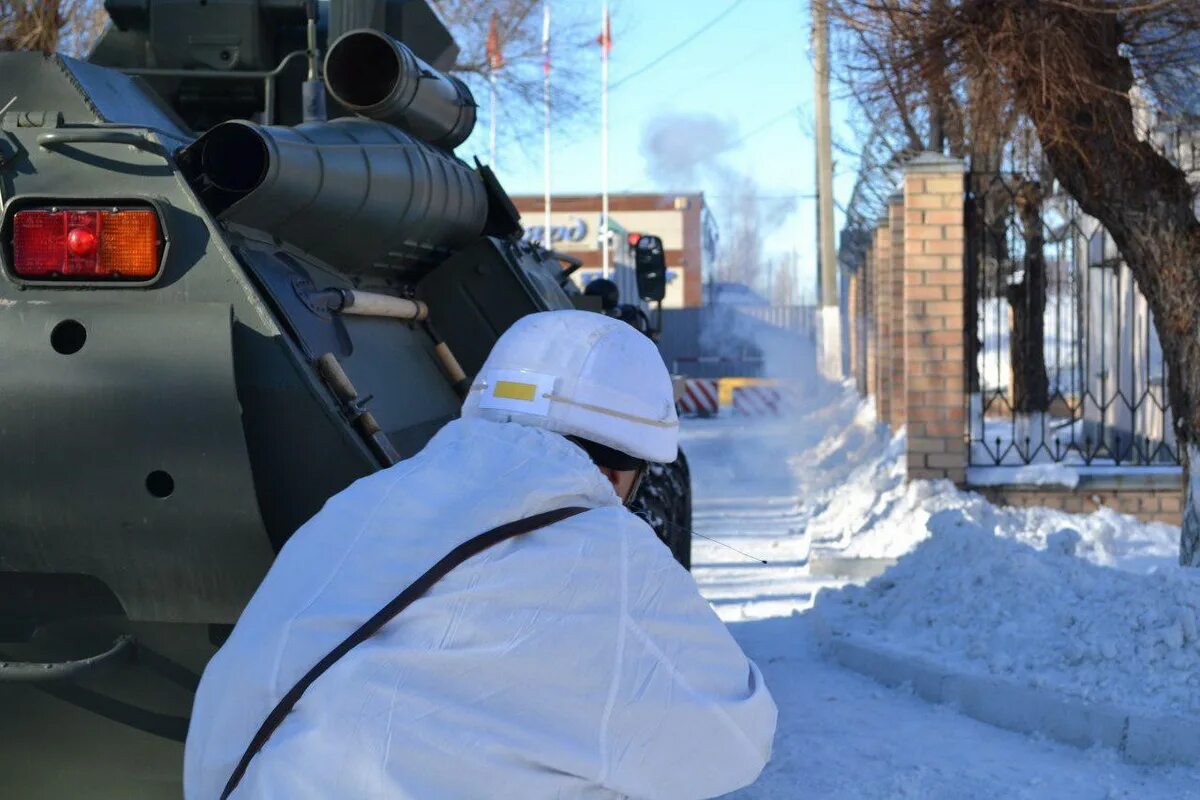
{"points": [[829, 329]]}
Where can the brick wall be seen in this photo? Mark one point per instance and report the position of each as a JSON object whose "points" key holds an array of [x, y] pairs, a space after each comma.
{"points": [[1151, 505]]}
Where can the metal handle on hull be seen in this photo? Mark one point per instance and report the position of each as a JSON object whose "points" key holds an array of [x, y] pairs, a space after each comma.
{"points": [[101, 136], [41, 672]]}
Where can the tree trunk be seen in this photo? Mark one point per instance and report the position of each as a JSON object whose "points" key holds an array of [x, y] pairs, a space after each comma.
{"points": [[1027, 347], [1141, 198], [987, 253]]}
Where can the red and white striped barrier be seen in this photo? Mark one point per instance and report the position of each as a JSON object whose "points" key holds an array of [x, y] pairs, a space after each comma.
{"points": [[759, 401], [700, 397]]}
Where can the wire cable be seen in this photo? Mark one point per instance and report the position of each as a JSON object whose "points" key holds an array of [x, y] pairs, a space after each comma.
{"points": [[677, 47], [731, 547], [693, 532], [775, 120]]}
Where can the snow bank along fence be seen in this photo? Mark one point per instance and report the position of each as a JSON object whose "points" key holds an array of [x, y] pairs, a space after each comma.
{"points": [[998, 323]]}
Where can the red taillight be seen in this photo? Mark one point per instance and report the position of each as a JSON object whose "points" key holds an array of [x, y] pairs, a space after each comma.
{"points": [[86, 244], [82, 242]]}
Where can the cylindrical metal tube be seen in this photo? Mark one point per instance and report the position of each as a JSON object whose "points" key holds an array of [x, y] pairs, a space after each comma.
{"points": [[336, 378], [454, 370], [333, 374], [376, 76], [371, 304], [312, 95], [353, 192]]}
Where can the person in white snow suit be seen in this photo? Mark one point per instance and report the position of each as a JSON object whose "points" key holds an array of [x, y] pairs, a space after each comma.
{"points": [[576, 660]]}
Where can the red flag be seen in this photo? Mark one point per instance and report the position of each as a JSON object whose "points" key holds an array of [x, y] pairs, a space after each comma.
{"points": [[605, 37], [495, 58]]}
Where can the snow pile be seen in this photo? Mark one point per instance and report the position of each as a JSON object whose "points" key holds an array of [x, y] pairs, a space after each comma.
{"points": [[902, 518], [872, 513], [978, 603], [1039, 474]]}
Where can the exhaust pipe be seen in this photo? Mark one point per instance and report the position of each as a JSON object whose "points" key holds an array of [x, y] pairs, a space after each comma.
{"points": [[355, 193], [376, 76]]}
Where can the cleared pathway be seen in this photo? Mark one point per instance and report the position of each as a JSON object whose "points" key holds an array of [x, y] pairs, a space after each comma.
{"points": [[841, 735]]}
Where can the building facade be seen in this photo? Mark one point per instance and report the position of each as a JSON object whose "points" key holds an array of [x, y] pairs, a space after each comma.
{"points": [[681, 220]]}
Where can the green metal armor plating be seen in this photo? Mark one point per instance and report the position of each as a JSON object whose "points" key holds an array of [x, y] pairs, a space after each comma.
{"points": [[205, 335]]}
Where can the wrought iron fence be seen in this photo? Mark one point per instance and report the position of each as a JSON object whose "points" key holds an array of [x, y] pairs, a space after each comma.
{"points": [[1064, 361]]}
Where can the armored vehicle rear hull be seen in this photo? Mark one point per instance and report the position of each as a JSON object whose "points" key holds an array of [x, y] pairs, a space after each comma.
{"points": [[195, 358]]}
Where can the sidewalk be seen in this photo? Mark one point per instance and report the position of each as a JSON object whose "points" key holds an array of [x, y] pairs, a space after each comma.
{"points": [[760, 488]]}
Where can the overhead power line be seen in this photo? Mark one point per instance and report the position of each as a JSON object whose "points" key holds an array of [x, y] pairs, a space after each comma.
{"points": [[768, 124], [678, 46]]}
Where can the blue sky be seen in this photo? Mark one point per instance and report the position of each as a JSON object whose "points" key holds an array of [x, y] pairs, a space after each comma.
{"points": [[747, 72]]}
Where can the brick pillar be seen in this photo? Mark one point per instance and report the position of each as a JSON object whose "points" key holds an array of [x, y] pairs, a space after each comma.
{"points": [[883, 321], [860, 315], [934, 277], [852, 324], [868, 305], [896, 227]]}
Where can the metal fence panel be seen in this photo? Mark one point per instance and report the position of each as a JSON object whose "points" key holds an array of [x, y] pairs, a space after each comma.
{"points": [[1065, 364]]}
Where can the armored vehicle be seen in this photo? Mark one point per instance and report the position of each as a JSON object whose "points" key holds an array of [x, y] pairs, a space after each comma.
{"points": [[225, 294]]}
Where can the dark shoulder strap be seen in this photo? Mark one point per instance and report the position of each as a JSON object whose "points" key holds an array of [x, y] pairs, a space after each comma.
{"points": [[385, 615]]}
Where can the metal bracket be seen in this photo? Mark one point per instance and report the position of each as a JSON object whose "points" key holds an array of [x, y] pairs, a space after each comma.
{"points": [[306, 293], [357, 406], [31, 119], [352, 405]]}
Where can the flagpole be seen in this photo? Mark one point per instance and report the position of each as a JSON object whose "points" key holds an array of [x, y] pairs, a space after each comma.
{"points": [[492, 123], [495, 62], [546, 134], [604, 132]]}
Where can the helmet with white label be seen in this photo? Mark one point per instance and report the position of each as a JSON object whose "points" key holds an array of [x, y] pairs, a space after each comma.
{"points": [[582, 374]]}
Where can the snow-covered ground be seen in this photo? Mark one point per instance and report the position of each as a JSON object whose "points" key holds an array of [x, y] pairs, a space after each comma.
{"points": [[830, 479]]}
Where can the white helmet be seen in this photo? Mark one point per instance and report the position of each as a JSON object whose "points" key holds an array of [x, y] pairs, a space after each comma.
{"points": [[582, 374]]}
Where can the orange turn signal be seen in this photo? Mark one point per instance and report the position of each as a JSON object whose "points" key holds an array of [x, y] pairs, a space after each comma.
{"points": [[128, 244]]}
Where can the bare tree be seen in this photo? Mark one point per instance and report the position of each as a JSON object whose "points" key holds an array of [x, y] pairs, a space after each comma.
{"points": [[783, 288], [1070, 68], [68, 26], [519, 81], [30, 25], [928, 107], [741, 257], [747, 219], [85, 21], [1026, 296]]}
